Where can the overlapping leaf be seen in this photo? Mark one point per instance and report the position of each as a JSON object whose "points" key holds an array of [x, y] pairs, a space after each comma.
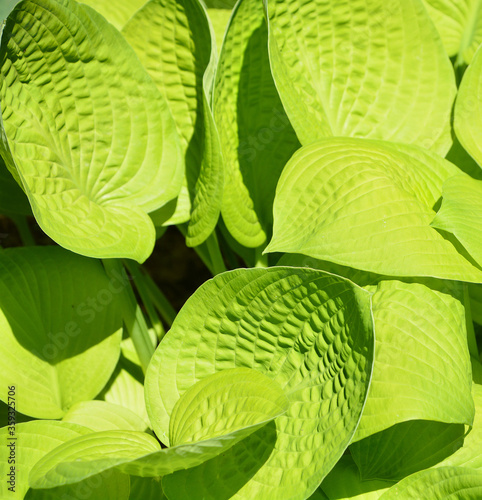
{"points": [[406, 448], [459, 23], [117, 13], [468, 109], [102, 416], [309, 331], [256, 135], [238, 402], [422, 364], [174, 42], [461, 213], [60, 324], [443, 483], [470, 454], [344, 483], [354, 68], [367, 205], [35, 439], [89, 134]]}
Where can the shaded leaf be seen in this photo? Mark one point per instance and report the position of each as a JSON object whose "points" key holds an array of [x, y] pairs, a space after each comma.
{"points": [[256, 136], [174, 42], [61, 329], [461, 213]]}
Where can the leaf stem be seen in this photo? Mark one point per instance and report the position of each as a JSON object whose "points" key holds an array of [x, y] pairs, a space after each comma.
{"points": [[135, 270], [149, 291], [215, 254], [133, 317], [260, 259], [24, 230]]}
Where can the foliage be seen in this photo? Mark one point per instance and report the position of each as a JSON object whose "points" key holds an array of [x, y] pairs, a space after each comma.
{"points": [[323, 158]]}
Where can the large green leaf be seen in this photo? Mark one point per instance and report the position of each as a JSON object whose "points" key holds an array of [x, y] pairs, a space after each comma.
{"points": [[420, 332], [459, 23], [224, 402], [446, 483], [422, 365], [344, 482], [118, 12], [60, 320], [470, 455], [461, 213], [309, 331], [256, 135], [468, 109], [91, 138], [354, 68], [214, 415], [33, 441], [174, 42], [367, 205]]}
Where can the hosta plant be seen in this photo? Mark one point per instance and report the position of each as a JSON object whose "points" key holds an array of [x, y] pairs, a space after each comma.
{"points": [[323, 159]]}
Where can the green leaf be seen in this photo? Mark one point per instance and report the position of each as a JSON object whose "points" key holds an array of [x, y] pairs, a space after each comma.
{"points": [[309, 331], [60, 320], [354, 68], [406, 448], [422, 364], [459, 23], [256, 135], [344, 483], [133, 453], [117, 13], [444, 483], [420, 332], [89, 134], [367, 205], [470, 454], [174, 42], [103, 416], [224, 402], [461, 213], [32, 441], [468, 109], [88, 455]]}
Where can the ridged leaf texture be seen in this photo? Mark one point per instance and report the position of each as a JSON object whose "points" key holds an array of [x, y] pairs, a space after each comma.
{"points": [[174, 42], [367, 205], [87, 133], [309, 331], [358, 68]]}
